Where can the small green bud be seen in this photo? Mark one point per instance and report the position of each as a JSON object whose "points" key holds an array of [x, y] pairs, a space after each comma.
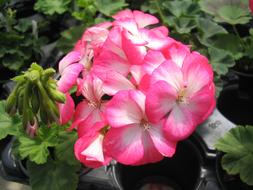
{"points": [[56, 95]]}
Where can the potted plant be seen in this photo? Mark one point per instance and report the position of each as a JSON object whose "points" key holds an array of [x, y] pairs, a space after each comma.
{"points": [[139, 94]]}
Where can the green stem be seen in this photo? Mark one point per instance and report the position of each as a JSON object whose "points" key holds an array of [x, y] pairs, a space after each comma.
{"points": [[159, 10]]}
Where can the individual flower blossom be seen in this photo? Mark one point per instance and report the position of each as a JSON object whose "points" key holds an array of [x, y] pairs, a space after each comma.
{"points": [[132, 138], [89, 148], [91, 108], [81, 58], [184, 97]]}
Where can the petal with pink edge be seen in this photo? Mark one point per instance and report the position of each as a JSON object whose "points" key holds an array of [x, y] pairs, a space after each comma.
{"points": [[134, 53], [177, 53], [161, 31], [66, 110], [180, 123], [131, 145], [122, 110], [152, 60], [83, 110], [161, 97], [197, 72], [123, 14], [114, 82], [142, 19], [69, 77], [70, 58], [168, 71], [88, 151], [202, 103], [164, 146]]}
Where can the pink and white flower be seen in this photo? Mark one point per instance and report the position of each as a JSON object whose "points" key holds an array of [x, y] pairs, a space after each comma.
{"points": [[89, 148], [133, 139], [184, 97]]}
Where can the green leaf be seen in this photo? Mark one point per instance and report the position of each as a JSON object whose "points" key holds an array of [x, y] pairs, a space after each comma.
{"points": [[110, 7], [228, 42], [220, 60], [53, 175], [238, 146], [36, 149], [181, 8], [208, 29], [184, 25], [232, 12], [233, 15], [8, 125], [64, 150], [50, 7]]}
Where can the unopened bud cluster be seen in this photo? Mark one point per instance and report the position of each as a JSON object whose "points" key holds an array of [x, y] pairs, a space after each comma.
{"points": [[35, 96]]}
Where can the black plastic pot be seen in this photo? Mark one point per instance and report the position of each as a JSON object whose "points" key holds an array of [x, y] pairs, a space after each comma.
{"points": [[229, 182], [182, 171], [236, 99]]}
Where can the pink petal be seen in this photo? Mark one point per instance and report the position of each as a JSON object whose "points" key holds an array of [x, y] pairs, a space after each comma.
{"points": [[169, 72], [161, 31], [66, 110], [161, 97], [92, 89], [180, 123], [164, 146], [88, 151], [137, 73], [202, 103], [177, 53], [108, 60], [122, 110], [144, 19], [83, 110], [95, 150], [135, 54], [114, 82], [155, 40], [131, 145], [128, 24], [70, 58], [197, 72], [123, 14], [69, 77], [152, 60], [87, 125]]}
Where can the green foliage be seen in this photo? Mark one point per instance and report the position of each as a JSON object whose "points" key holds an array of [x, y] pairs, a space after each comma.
{"points": [[18, 39], [109, 7], [36, 149], [53, 175], [232, 12], [8, 125], [64, 150], [237, 145], [50, 7]]}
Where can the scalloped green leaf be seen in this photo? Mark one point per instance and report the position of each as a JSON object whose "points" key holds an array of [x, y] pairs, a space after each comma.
{"points": [[220, 60], [53, 175], [232, 12], [8, 125], [50, 7], [237, 145], [36, 149], [64, 150], [110, 7]]}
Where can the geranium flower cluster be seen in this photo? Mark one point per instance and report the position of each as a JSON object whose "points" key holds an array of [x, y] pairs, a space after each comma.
{"points": [[142, 91]]}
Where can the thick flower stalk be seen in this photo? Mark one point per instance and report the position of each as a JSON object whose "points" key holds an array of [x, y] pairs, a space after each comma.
{"points": [[141, 91]]}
